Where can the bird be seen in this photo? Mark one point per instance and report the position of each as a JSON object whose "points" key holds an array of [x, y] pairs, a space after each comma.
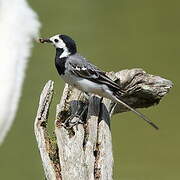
{"points": [[80, 73]]}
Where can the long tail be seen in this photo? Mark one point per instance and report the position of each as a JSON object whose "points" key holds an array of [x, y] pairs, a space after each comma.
{"points": [[137, 112]]}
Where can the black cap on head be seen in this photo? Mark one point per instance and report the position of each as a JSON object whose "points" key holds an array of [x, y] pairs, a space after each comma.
{"points": [[70, 43]]}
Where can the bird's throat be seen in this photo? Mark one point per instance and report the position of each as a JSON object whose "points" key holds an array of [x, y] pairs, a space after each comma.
{"points": [[59, 52], [60, 62]]}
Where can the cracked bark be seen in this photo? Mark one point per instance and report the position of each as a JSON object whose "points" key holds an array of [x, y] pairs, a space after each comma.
{"points": [[84, 152]]}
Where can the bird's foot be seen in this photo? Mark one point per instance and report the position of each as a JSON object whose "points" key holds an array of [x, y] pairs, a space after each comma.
{"points": [[87, 96], [72, 121], [75, 119]]}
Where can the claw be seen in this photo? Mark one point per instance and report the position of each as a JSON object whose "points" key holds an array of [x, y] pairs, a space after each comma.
{"points": [[75, 119], [72, 121]]}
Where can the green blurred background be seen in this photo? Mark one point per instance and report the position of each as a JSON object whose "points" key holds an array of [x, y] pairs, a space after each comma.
{"points": [[114, 35]]}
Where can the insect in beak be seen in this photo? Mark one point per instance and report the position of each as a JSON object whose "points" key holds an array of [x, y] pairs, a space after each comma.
{"points": [[44, 40]]}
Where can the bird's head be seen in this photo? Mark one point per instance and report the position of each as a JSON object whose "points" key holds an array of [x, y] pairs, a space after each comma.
{"points": [[63, 43]]}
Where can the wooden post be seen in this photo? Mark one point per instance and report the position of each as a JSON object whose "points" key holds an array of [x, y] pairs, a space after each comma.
{"points": [[84, 151]]}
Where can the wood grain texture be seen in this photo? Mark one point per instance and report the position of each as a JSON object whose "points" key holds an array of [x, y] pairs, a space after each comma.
{"points": [[51, 168], [84, 151]]}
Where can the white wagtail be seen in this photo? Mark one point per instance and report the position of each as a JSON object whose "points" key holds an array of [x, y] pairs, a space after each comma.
{"points": [[81, 74]]}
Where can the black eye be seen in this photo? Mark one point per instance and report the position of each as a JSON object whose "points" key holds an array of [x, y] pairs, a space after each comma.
{"points": [[56, 40]]}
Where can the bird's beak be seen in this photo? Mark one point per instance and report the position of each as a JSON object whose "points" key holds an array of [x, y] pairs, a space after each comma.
{"points": [[45, 40]]}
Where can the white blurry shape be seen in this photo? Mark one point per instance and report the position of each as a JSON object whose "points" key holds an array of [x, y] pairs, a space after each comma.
{"points": [[18, 26]]}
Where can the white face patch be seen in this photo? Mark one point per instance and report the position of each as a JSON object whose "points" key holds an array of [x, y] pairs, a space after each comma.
{"points": [[59, 43]]}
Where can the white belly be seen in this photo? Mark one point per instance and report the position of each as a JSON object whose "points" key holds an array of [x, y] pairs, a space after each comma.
{"points": [[87, 85]]}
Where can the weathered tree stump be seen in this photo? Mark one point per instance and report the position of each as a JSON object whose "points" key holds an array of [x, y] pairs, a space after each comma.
{"points": [[84, 151]]}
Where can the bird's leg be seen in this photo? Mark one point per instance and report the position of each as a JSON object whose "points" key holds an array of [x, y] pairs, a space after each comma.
{"points": [[87, 95], [76, 118], [78, 110]]}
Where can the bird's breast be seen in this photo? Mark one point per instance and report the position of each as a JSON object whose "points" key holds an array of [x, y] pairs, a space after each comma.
{"points": [[85, 84], [60, 65]]}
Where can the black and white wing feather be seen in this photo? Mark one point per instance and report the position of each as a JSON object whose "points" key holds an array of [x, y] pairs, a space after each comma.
{"points": [[80, 67]]}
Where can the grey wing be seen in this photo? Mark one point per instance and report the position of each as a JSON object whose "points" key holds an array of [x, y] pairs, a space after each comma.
{"points": [[80, 67]]}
